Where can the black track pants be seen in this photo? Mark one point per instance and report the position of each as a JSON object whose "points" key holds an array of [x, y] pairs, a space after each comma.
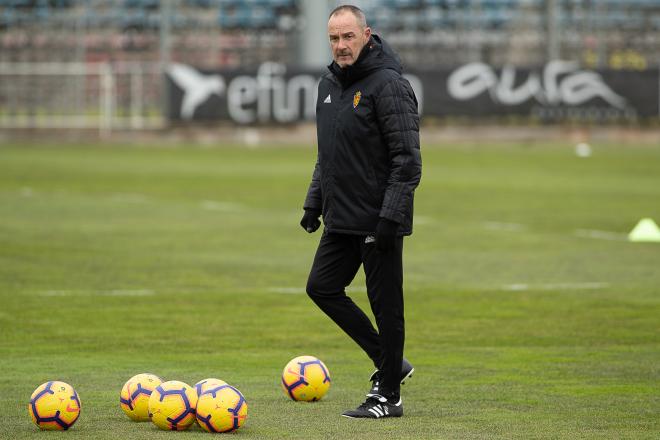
{"points": [[336, 263]]}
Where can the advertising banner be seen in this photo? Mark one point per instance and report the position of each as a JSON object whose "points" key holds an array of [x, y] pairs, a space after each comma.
{"points": [[556, 92]]}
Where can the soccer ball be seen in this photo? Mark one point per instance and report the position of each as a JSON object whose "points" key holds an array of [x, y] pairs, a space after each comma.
{"points": [[172, 405], [134, 395], [221, 409], [54, 406], [305, 378], [205, 384]]}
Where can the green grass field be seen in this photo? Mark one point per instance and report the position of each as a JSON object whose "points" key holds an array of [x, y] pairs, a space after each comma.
{"points": [[529, 314]]}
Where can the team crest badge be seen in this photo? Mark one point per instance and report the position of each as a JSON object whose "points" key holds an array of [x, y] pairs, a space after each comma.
{"points": [[356, 98]]}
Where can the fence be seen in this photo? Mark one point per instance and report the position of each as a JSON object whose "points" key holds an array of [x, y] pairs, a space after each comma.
{"points": [[81, 95]]}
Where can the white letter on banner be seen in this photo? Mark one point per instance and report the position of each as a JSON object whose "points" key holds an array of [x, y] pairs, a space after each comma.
{"points": [[471, 80], [582, 86], [508, 94], [242, 91], [269, 78], [551, 78], [287, 107]]}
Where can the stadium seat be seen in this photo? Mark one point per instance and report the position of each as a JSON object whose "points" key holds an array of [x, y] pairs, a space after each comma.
{"points": [[234, 17], [416, 25]]}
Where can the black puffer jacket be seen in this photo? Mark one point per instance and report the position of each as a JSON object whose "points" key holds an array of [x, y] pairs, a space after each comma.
{"points": [[369, 162]]}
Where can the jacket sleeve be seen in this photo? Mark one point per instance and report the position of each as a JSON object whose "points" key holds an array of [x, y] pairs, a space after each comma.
{"points": [[314, 199], [398, 121]]}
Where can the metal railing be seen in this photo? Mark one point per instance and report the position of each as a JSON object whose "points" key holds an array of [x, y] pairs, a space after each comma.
{"points": [[99, 96]]}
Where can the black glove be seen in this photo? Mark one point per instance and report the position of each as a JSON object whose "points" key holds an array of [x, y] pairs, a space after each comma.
{"points": [[310, 221], [386, 234]]}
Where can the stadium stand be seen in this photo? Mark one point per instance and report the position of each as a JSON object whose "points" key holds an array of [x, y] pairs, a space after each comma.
{"points": [[238, 33], [208, 33], [99, 63]]}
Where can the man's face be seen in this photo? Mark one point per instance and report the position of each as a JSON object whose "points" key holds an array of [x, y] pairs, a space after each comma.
{"points": [[347, 37]]}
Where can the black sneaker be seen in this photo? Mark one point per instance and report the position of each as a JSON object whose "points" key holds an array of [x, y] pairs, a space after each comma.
{"points": [[407, 371], [375, 407]]}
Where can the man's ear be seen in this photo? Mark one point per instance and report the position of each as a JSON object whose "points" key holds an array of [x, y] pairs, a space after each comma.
{"points": [[367, 33]]}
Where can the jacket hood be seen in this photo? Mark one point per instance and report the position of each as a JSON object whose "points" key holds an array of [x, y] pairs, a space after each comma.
{"points": [[375, 55]]}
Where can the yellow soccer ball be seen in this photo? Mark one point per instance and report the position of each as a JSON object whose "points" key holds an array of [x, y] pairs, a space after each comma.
{"points": [[221, 409], [54, 406], [172, 405], [305, 378], [205, 384], [134, 395]]}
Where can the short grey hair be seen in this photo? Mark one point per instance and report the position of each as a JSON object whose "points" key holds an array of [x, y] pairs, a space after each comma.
{"points": [[357, 12]]}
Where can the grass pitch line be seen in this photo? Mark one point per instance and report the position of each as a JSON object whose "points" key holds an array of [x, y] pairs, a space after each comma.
{"points": [[116, 292], [26, 191], [424, 220], [600, 235], [582, 233], [356, 289], [213, 205], [504, 226], [128, 198], [518, 287]]}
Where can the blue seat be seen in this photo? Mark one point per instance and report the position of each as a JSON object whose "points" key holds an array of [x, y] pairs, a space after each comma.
{"points": [[20, 3], [41, 13], [142, 4], [264, 18], [402, 4], [8, 18], [201, 3], [232, 18], [139, 19]]}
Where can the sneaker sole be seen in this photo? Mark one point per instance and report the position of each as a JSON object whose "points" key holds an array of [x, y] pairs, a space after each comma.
{"points": [[351, 417], [407, 376], [371, 418]]}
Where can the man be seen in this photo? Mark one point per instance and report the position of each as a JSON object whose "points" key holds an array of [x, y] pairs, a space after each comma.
{"points": [[367, 169]]}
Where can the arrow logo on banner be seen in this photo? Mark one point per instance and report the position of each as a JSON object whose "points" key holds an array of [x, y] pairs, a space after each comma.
{"points": [[197, 88], [560, 82]]}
